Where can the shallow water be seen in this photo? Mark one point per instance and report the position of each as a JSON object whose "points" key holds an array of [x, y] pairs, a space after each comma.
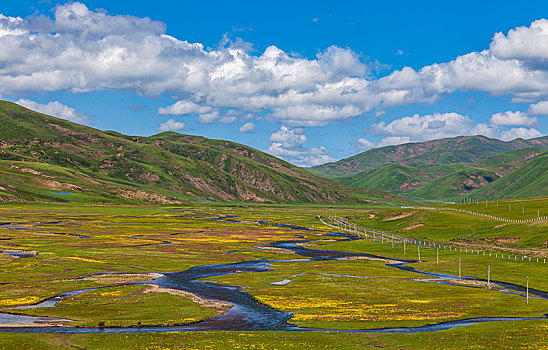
{"points": [[18, 254], [51, 302]]}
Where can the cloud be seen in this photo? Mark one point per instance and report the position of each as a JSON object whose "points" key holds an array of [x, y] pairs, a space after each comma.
{"points": [[289, 144], [510, 118], [80, 50], [393, 140], [540, 108], [523, 133], [247, 127], [182, 108], [230, 118], [485, 129], [288, 138], [316, 156], [171, 125], [362, 144], [11, 26], [419, 128], [208, 118], [523, 43], [55, 109], [423, 128]]}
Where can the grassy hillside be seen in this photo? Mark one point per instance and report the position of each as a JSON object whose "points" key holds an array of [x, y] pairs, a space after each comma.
{"points": [[443, 169], [526, 181], [456, 184], [46, 158], [398, 178], [462, 149]]}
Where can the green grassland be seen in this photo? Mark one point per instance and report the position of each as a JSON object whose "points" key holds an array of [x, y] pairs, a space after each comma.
{"points": [[529, 335], [451, 226], [75, 242]]}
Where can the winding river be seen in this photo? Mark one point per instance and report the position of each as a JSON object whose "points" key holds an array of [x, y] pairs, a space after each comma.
{"points": [[248, 314]]}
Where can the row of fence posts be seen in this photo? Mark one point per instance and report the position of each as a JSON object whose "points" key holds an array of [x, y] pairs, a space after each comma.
{"points": [[347, 227], [357, 230], [484, 214]]}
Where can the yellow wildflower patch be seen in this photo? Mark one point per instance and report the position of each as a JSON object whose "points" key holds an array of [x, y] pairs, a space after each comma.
{"points": [[325, 309], [419, 301], [111, 294], [85, 259], [19, 301]]}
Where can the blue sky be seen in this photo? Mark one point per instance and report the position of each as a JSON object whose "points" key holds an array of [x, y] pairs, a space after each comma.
{"points": [[308, 81]]}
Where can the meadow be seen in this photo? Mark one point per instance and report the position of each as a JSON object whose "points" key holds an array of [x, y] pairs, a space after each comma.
{"points": [[117, 255]]}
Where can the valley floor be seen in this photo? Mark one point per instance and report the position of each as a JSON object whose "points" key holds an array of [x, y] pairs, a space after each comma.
{"points": [[117, 277]]}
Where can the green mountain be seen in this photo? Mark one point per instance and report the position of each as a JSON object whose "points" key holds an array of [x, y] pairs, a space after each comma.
{"points": [[529, 180], [462, 149], [442, 169], [50, 159]]}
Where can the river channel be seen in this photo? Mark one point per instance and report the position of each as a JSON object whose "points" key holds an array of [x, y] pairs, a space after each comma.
{"points": [[248, 314]]}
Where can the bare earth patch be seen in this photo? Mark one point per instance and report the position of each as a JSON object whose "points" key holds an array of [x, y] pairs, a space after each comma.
{"points": [[499, 226], [412, 227], [503, 240], [277, 250], [400, 216], [470, 282]]}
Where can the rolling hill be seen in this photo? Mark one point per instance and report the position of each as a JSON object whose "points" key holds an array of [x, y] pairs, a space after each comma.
{"points": [[442, 169], [49, 159], [462, 149], [528, 180]]}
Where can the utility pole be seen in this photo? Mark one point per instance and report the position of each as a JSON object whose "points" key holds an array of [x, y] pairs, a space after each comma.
{"points": [[437, 256], [419, 251], [489, 277], [527, 289], [459, 269]]}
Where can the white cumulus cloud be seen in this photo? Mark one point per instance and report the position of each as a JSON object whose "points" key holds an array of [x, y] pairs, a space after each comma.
{"points": [[289, 144], [208, 118], [523, 43], [510, 118], [419, 128], [393, 140], [540, 108], [78, 49], [171, 125], [55, 109], [247, 127], [523, 133], [426, 127], [362, 144], [182, 108]]}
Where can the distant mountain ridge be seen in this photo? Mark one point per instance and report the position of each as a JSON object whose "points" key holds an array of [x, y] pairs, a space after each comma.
{"points": [[441, 169], [50, 159]]}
